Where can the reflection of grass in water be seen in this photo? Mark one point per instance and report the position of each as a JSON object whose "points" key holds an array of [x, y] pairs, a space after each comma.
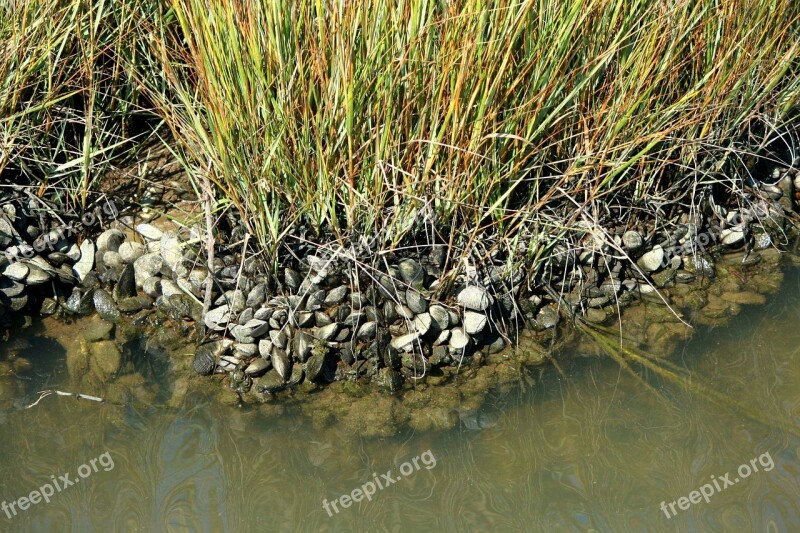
{"points": [[612, 344]]}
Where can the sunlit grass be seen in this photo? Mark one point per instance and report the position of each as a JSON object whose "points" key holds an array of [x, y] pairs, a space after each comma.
{"points": [[478, 124], [417, 118], [67, 90]]}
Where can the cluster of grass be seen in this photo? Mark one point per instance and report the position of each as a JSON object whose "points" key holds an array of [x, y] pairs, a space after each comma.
{"points": [[69, 91], [409, 119]]}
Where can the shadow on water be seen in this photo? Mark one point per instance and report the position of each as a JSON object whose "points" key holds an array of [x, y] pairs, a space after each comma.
{"points": [[586, 449]]}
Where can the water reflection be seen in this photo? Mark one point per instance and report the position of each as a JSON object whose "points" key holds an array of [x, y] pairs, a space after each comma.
{"points": [[591, 449]]}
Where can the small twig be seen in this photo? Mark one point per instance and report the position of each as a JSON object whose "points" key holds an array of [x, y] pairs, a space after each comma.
{"points": [[208, 195], [45, 393], [239, 273], [565, 309]]}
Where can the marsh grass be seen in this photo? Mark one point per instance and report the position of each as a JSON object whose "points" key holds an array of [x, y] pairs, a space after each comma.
{"points": [[446, 122], [485, 125], [68, 92]]}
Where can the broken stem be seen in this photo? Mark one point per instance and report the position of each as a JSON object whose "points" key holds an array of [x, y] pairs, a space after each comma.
{"points": [[207, 199], [78, 396]]}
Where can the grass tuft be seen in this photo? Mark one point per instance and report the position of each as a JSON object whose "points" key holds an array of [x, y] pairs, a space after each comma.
{"points": [[479, 124]]}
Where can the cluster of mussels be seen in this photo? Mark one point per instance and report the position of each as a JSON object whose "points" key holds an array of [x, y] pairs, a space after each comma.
{"points": [[347, 316], [40, 260], [355, 314], [339, 319]]}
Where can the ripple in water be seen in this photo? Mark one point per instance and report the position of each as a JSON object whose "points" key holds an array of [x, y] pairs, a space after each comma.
{"points": [[588, 450]]}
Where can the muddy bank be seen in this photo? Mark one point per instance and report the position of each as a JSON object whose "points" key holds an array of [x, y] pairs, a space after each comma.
{"points": [[336, 323], [151, 363]]}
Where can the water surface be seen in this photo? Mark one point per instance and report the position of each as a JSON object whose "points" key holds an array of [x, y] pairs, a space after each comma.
{"points": [[589, 449]]}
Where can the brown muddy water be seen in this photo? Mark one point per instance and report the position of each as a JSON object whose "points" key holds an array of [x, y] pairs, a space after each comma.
{"points": [[591, 449]]}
